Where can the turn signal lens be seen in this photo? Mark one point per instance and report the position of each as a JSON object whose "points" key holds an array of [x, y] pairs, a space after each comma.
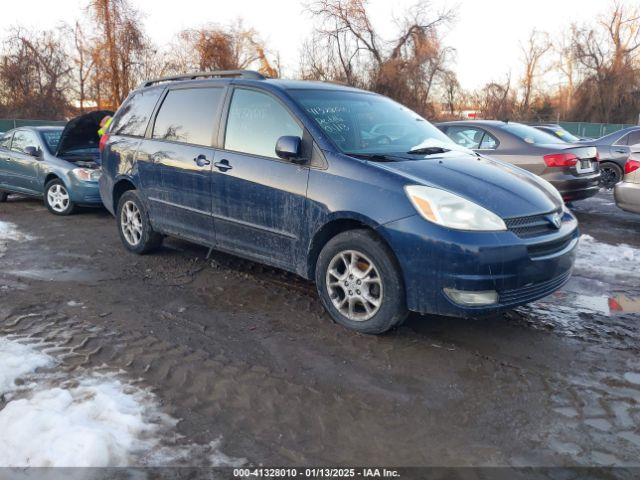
{"points": [[560, 160]]}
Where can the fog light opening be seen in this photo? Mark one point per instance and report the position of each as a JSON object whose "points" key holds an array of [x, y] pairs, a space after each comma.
{"points": [[472, 299]]}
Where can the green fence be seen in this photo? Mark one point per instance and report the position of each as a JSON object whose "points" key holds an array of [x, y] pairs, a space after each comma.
{"points": [[8, 124], [593, 130]]}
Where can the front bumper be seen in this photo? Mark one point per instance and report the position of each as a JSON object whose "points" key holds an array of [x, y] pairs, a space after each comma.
{"points": [[521, 270], [84, 192], [627, 196]]}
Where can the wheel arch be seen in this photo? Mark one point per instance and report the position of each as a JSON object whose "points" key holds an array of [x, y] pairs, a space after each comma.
{"points": [[52, 176], [337, 225], [121, 185]]}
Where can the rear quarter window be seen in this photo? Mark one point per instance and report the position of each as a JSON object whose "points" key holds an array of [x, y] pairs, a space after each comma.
{"points": [[133, 117]]}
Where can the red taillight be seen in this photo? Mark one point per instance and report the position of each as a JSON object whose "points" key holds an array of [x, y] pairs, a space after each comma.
{"points": [[631, 166], [560, 160], [103, 141]]}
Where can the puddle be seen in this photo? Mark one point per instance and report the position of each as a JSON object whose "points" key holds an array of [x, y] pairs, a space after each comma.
{"points": [[623, 303]]}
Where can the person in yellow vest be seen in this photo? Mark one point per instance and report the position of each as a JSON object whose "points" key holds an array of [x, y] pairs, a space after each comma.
{"points": [[104, 125]]}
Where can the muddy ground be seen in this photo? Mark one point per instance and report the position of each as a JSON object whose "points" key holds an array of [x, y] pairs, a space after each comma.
{"points": [[245, 354]]}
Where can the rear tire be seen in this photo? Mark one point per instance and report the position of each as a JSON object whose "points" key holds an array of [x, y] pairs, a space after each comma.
{"points": [[57, 198], [360, 284], [610, 174], [134, 226], [3, 196]]}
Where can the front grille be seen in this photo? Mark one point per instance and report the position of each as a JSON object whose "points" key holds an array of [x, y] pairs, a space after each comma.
{"points": [[531, 226], [529, 293]]}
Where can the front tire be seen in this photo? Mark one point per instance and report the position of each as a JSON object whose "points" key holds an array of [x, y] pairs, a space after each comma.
{"points": [[3, 196], [134, 226], [360, 284], [610, 174], [57, 198]]}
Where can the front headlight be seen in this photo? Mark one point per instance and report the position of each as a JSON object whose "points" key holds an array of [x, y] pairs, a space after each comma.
{"points": [[87, 174], [452, 211]]}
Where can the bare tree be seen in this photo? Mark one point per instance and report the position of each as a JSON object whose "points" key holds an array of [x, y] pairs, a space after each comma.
{"points": [[536, 47], [83, 61], [118, 47], [346, 47], [34, 75], [608, 55], [215, 47], [497, 100], [451, 92]]}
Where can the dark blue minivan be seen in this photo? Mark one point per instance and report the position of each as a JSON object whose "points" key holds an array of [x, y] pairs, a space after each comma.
{"points": [[336, 184]]}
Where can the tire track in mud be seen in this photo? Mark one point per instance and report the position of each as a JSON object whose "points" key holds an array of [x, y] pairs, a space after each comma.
{"points": [[256, 403]]}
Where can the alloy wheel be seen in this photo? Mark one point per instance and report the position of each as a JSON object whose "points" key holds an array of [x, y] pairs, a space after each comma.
{"points": [[58, 198], [354, 285], [131, 223]]}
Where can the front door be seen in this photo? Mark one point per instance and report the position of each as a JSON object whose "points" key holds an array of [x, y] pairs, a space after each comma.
{"points": [[5, 146], [22, 169], [181, 155], [258, 200]]}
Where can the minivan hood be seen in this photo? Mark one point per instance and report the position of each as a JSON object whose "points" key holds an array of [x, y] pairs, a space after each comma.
{"points": [[504, 189], [81, 132]]}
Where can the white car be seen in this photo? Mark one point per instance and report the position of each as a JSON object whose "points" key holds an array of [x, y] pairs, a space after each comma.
{"points": [[627, 192]]}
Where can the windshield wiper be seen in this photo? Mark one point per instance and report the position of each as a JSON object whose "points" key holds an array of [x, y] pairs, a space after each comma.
{"points": [[428, 150], [374, 157]]}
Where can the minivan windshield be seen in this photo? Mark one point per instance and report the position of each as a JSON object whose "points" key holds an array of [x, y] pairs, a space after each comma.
{"points": [[368, 124]]}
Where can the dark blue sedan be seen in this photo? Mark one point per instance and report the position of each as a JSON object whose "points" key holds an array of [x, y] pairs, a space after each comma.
{"points": [[338, 185]]}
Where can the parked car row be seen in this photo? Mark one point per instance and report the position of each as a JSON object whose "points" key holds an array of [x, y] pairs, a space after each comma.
{"points": [[572, 168], [344, 187]]}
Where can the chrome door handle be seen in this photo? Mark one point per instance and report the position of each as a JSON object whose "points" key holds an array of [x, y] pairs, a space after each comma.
{"points": [[202, 161], [223, 165]]}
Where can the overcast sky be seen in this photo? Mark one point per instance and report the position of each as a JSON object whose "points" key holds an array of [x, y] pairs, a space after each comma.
{"points": [[487, 34]]}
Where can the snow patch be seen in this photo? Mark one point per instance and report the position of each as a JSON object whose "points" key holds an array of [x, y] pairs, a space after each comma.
{"points": [[611, 262], [17, 360], [57, 419], [99, 422], [9, 232]]}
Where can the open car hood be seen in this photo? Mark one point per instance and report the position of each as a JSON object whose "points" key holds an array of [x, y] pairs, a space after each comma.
{"points": [[81, 132]]}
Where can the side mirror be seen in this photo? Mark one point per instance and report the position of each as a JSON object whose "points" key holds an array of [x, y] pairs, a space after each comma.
{"points": [[289, 147], [32, 151]]}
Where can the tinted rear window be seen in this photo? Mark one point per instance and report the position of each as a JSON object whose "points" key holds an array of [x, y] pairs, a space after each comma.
{"points": [[634, 138], [531, 135], [133, 116], [188, 115]]}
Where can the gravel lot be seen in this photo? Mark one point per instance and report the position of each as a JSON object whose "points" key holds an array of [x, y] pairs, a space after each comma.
{"points": [[243, 358]]}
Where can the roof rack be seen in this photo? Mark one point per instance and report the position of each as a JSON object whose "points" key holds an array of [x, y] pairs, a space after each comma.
{"points": [[250, 74]]}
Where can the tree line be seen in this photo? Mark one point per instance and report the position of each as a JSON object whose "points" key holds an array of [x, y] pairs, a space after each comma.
{"points": [[589, 72]]}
